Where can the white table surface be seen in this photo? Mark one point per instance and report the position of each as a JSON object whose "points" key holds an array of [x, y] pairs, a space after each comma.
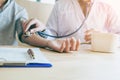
{"points": [[81, 65]]}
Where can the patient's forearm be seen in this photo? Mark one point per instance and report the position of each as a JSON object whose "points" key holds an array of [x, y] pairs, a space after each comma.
{"points": [[35, 40]]}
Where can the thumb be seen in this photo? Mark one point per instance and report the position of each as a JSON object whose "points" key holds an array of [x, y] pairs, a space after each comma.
{"points": [[23, 22]]}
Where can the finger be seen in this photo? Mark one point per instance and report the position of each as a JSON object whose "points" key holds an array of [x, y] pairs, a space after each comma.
{"points": [[88, 37], [90, 30], [24, 25], [62, 47], [31, 22], [67, 49], [78, 45], [34, 30], [73, 43]]}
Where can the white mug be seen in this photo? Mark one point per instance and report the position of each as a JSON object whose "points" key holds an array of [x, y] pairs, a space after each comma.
{"points": [[104, 42]]}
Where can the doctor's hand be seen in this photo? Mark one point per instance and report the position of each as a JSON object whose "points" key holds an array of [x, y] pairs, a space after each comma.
{"points": [[64, 45], [34, 23], [88, 35]]}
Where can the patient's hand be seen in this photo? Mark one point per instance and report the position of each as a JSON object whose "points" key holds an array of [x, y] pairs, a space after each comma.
{"points": [[38, 26], [64, 45]]}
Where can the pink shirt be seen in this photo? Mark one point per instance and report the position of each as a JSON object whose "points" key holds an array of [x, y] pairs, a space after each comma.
{"points": [[67, 16]]}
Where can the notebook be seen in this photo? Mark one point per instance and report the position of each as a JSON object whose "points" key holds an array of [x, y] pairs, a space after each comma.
{"points": [[19, 57]]}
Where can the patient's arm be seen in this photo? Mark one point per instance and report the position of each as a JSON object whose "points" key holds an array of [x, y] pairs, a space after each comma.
{"points": [[60, 45], [35, 40]]}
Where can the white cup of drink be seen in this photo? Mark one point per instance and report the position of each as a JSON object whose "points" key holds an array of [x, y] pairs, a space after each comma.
{"points": [[104, 42]]}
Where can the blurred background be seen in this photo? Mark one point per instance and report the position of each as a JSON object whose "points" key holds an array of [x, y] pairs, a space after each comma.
{"points": [[45, 1], [114, 3]]}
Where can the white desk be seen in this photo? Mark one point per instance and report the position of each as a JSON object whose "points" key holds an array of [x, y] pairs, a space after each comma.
{"points": [[82, 65]]}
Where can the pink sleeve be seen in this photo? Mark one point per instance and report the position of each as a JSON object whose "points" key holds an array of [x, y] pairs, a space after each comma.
{"points": [[113, 21], [52, 22]]}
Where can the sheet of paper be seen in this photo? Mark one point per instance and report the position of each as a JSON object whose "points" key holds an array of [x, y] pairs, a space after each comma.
{"points": [[21, 55]]}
